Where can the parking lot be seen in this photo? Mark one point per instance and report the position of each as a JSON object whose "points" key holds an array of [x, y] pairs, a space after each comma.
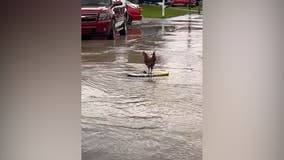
{"points": [[159, 118]]}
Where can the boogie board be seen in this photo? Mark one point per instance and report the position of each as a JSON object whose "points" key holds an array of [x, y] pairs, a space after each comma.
{"points": [[154, 74]]}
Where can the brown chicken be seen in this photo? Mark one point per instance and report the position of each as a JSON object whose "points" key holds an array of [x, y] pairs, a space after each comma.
{"points": [[149, 61]]}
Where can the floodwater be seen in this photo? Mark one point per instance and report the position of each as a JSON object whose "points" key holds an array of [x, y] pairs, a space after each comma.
{"points": [[154, 118]]}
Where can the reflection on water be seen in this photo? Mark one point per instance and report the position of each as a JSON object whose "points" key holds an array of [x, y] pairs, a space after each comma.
{"points": [[157, 118]]}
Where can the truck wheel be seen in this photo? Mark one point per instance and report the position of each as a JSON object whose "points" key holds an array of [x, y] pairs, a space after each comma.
{"points": [[129, 20], [124, 30], [112, 31]]}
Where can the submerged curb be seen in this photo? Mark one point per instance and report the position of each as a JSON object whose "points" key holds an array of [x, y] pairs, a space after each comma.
{"points": [[159, 20]]}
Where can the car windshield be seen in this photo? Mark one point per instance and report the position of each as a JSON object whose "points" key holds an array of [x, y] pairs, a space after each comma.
{"points": [[95, 2]]}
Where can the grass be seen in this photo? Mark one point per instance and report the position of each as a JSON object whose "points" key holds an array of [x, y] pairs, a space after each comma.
{"points": [[155, 11]]}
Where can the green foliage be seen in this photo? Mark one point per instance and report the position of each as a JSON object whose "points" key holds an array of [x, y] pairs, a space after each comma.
{"points": [[155, 11]]}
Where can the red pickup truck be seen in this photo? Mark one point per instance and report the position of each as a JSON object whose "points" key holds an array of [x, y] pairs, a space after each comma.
{"points": [[103, 17]]}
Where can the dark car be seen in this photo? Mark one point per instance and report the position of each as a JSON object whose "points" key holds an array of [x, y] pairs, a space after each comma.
{"points": [[167, 2], [103, 17]]}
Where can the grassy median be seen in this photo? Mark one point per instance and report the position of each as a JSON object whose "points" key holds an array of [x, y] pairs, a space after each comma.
{"points": [[155, 11]]}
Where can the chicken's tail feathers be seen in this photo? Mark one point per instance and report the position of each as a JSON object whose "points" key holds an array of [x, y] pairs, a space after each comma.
{"points": [[144, 53], [154, 54]]}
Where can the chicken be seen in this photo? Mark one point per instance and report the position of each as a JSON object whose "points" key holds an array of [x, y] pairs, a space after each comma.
{"points": [[149, 61]]}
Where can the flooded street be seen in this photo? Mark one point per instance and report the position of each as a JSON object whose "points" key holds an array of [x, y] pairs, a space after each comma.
{"points": [[130, 118]]}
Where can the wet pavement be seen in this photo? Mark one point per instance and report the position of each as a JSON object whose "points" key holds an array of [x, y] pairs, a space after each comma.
{"points": [[158, 118]]}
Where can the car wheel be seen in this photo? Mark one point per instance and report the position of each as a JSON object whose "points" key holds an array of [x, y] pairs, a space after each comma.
{"points": [[112, 31], [124, 30]]}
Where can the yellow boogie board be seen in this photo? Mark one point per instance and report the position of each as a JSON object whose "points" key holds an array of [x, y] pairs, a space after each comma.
{"points": [[154, 74]]}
